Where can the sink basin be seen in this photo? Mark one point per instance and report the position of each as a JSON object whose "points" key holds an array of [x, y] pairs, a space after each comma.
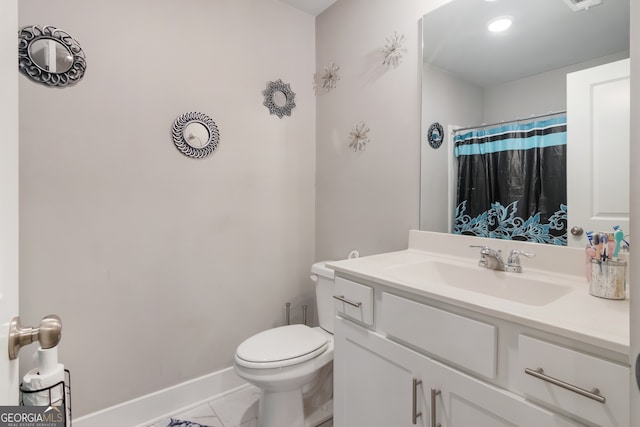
{"points": [[509, 286]]}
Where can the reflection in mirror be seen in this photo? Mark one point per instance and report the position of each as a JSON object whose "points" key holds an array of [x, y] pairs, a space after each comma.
{"points": [[196, 135], [50, 56], [279, 98], [472, 77]]}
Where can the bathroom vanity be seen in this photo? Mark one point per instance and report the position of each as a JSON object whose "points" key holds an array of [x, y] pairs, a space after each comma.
{"points": [[427, 337]]}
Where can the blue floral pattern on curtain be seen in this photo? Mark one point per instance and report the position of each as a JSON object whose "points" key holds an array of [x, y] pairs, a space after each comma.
{"points": [[512, 182]]}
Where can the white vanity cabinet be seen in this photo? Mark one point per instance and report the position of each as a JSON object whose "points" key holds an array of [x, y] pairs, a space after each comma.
{"points": [[416, 359]]}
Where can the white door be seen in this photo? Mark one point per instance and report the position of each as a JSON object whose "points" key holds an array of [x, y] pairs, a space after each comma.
{"points": [[598, 105], [8, 194]]}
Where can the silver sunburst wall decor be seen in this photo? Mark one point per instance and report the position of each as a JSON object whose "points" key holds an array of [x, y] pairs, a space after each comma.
{"points": [[279, 98], [359, 137], [330, 77], [393, 50]]}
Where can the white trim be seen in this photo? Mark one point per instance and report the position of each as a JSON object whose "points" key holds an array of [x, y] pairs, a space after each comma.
{"points": [[452, 177], [143, 410]]}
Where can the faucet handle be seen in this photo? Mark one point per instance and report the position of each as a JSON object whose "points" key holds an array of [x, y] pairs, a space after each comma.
{"points": [[514, 255], [479, 246], [513, 262], [486, 250]]}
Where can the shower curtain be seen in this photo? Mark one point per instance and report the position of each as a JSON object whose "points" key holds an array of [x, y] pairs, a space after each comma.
{"points": [[512, 181]]}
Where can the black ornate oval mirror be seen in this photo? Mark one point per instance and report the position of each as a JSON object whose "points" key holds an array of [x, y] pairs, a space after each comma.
{"points": [[50, 56]]}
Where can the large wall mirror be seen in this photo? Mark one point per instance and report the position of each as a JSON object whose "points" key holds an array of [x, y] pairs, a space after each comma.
{"points": [[472, 77]]}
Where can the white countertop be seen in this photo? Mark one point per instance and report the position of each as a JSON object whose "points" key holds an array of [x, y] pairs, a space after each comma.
{"points": [[576, 314]]}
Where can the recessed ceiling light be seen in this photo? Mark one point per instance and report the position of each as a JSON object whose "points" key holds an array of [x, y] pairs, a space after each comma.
{"points": [[499, 24]]}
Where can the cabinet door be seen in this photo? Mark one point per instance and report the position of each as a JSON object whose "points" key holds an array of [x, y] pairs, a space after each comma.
{"points": [[464, 401], [373, 380]]}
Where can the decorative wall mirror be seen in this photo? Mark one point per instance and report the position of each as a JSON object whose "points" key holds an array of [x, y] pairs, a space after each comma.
{"points": [[50, 56], [195, 135], [279, 98]]}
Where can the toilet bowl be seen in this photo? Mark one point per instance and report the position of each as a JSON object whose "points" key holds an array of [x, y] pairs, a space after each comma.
{"points": [[293, 365]]}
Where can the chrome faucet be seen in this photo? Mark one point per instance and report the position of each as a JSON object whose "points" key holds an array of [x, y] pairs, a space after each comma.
{"points": [[492, 259], [513, 262]]}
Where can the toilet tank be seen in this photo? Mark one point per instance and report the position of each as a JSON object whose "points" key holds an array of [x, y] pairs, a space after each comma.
{"points": [[323, 277]]}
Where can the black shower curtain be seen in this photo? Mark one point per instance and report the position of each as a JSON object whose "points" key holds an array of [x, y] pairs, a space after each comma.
{"points": [[512, 182]]}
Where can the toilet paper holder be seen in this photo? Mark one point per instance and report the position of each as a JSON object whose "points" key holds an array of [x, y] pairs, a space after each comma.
{"points": [[48, 334]]}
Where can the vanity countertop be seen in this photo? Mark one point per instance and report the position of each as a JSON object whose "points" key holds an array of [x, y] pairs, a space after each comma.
{"points": [[575, 314]]}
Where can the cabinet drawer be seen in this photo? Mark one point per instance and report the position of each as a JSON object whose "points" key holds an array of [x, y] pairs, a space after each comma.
{"points": [[460, 340], [569, 378], [354, 300]]}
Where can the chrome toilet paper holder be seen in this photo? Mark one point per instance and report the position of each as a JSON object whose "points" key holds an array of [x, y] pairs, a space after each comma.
{"points": [[48, 334]]}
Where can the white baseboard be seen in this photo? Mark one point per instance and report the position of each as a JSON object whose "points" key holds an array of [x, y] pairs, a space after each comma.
{"points": [[164, 402]]}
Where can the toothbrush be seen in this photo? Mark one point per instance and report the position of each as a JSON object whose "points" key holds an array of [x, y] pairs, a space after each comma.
{"points": [[618, 235], [605, 245], [590, 237], [616, 228], [596, 243], [598, 247]]}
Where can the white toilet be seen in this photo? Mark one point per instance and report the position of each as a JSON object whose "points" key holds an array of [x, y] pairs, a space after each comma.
{"points": [[293, 365]]}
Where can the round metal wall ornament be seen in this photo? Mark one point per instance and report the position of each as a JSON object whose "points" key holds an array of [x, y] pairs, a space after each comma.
{"points": [[50, 56], [435, 135], [195, 135], [279, 98]]}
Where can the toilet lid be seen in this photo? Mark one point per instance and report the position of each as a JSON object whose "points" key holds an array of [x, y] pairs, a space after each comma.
{"points": [[283, 346]]}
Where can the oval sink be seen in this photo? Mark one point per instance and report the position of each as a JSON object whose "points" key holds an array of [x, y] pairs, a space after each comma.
{"points": [[509, 286]]}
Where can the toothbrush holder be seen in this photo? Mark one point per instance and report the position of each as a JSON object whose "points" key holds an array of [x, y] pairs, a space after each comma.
{"points": [[608, 279]]}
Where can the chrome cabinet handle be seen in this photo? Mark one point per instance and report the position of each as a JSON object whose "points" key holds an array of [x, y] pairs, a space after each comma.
{"points": [[594, 394], [414, 402], [343, 299], [434, 394]]}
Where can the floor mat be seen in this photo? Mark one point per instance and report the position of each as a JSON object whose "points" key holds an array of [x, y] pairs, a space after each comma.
{"points": [[180, 423]]}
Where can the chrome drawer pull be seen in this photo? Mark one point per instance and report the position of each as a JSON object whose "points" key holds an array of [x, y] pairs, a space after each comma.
{"points": [[593, 394], [434, 394], [343, 299], [414, 402]]}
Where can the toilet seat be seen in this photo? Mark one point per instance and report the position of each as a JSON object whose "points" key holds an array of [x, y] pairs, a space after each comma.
{"points": [[281, 347]]}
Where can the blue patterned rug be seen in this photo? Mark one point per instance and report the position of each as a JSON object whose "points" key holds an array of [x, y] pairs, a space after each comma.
{"points": [[180, 423]]}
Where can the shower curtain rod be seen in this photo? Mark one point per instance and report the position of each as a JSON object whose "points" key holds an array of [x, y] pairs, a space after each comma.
{"points": [[553, 113]]}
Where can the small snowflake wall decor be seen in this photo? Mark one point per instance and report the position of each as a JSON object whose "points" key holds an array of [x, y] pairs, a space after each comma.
{"points": [[358, 137], [330, 77], [393, 50]]}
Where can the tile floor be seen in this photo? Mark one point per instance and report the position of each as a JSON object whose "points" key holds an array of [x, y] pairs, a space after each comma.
{"points": [[236, 409]]}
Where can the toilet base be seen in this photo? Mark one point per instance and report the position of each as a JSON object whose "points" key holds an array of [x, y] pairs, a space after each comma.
{"points": [[294, 415], [278, 409], [321, 415]]}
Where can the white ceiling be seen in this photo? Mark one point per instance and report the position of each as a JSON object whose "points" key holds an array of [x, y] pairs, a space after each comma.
{"points": [[312, 7], [545, 35]]}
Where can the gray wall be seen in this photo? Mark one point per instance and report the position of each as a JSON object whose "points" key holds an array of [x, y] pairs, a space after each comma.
{"points": [[448, 101], [368, 200], [635, 208], [534, 95], [158, 264]]}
